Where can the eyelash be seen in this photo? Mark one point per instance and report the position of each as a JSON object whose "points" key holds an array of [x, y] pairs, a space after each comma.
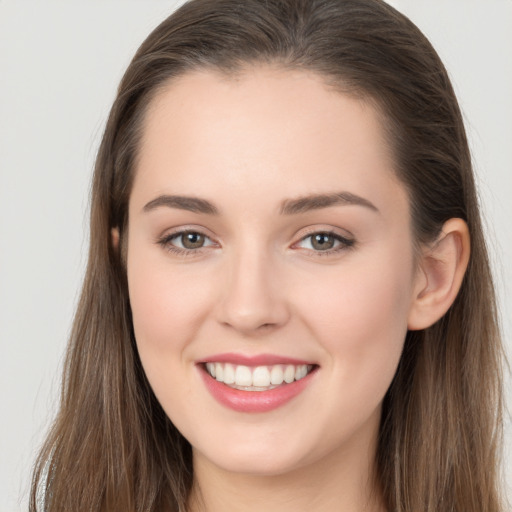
{"points": [[166, 242], [345, 243]]}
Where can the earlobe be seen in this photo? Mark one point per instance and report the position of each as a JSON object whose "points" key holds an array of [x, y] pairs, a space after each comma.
{"points": [[442, 269], [114, 235]]}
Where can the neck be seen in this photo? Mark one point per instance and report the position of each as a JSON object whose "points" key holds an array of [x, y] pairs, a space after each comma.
{"points": [[343, 480]]}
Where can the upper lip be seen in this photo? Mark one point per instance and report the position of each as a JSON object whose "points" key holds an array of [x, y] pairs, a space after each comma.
{"points": [[253, 360]]}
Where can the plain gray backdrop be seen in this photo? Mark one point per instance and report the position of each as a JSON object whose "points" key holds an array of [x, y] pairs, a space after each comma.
{"points": [[60, 63]]}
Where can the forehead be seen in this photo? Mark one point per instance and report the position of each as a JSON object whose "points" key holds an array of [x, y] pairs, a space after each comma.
{"points": [[264, 132]]}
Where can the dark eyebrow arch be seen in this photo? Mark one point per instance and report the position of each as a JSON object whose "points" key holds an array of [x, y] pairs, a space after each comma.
{"points": [[317, 201], [288, 207], [191, 204]]}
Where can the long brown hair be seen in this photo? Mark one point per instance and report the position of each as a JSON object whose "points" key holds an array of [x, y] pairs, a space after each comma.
{"points": [[112, 447]]}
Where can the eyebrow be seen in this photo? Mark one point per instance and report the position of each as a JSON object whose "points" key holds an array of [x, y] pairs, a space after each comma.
{"points": [[191, 204], [288, 206], [318, 201]]}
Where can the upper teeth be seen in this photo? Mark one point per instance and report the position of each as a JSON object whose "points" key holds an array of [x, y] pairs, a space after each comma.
{"points": [[258, 376]]}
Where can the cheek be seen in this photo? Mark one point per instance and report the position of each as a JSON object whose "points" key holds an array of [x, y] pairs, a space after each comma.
{"points": [[359, 316], [168, 307], [167, 303]]}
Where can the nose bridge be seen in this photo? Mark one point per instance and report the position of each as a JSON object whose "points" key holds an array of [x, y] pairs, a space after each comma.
{"points": [[252, 298]]}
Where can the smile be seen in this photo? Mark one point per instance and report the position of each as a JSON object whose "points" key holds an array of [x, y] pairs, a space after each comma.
{"points": [[255, 385], [259, 378]]}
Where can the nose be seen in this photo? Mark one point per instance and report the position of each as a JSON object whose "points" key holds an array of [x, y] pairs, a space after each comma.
{"points": [[253, 300]]}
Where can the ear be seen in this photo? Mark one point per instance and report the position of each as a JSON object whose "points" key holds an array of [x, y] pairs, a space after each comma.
{"points": [[114, 235], [440, 275]]}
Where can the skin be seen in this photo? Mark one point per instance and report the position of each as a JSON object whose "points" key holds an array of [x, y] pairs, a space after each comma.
{"points": [[247, 144]]}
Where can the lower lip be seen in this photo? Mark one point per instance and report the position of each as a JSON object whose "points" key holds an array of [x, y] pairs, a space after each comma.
{"points": [[254, 401]]}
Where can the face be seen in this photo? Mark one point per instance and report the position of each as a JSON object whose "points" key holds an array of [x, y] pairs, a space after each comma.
{"points": [[269, 244]]}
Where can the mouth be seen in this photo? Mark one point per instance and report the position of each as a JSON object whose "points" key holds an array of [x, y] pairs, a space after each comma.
{"points": [[259, 378], [256, 387]]}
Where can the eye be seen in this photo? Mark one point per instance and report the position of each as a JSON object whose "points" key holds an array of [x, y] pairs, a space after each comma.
{"points": [[324, 241], [190, 240], [185, 241]]}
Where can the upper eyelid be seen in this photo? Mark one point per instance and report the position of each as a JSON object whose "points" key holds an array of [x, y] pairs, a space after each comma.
{"points": [[330, 233], [324, 227], [180, 230], [331, 230], [340, 238]]}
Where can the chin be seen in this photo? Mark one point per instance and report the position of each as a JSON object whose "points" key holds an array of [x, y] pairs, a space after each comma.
{"points": [[259, 466], [258, 457]]}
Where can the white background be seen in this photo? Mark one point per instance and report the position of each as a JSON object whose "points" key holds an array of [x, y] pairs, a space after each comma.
{"points": [[60, 63]]}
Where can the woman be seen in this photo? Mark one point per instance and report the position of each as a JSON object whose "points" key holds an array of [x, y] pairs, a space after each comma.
{"points": [[288, 301]]}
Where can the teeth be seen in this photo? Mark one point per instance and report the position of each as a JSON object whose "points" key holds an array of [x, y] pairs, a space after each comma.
{"points": [[301, 371], [219, 372], [211, 368], [276, 375], [229, 374], [257, 377], [289, 374], [261, 377], [243, 376]]}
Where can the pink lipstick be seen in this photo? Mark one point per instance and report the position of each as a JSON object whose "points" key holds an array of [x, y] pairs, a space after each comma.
{"points": [[255, 383]]}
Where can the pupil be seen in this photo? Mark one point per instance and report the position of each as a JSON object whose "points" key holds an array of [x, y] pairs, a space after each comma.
{"points": [[193, 240], [323, 241]]}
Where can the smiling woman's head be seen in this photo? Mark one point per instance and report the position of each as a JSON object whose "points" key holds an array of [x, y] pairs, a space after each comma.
{"points": [[282, 186]]}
